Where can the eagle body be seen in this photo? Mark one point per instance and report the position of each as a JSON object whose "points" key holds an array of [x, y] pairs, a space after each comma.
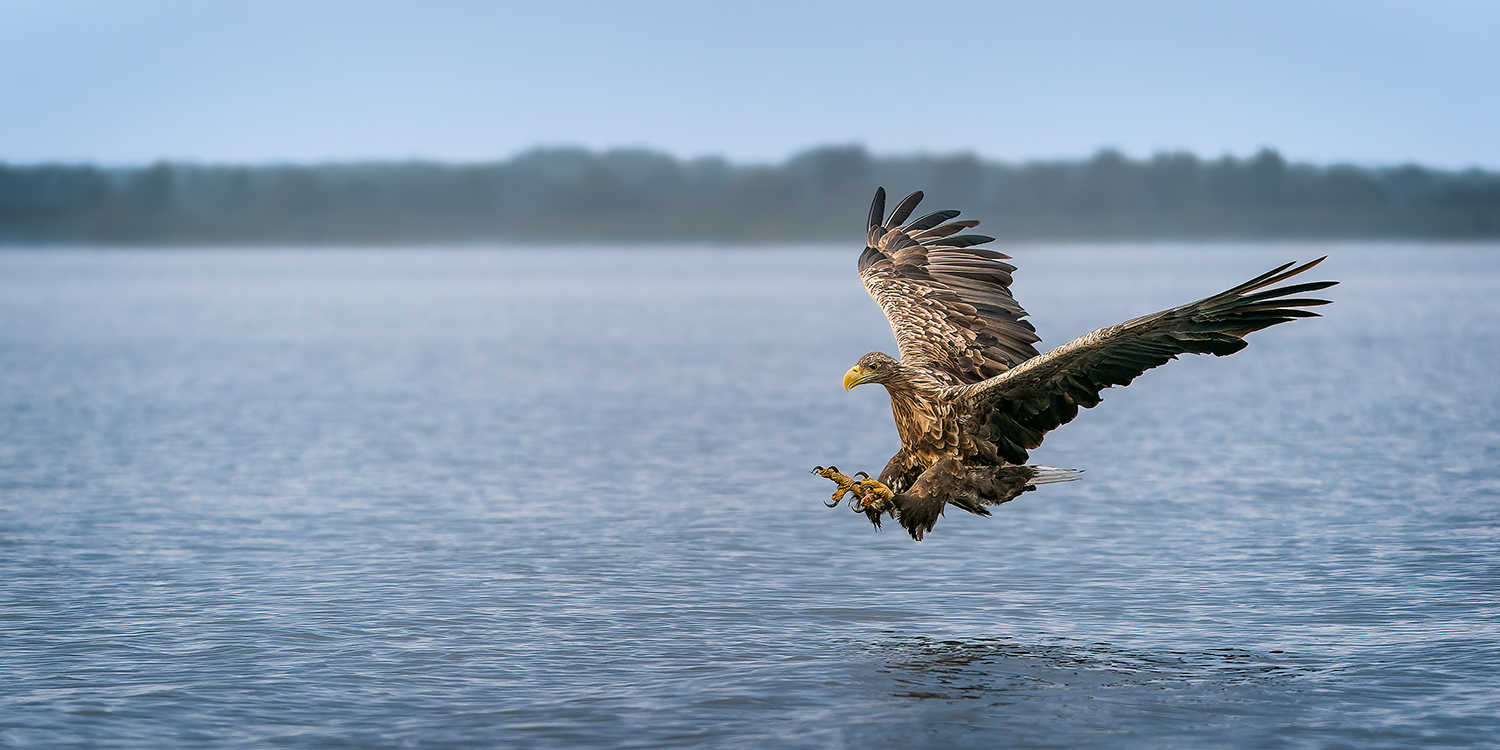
{"points": [[970, 394], [926, 420]]}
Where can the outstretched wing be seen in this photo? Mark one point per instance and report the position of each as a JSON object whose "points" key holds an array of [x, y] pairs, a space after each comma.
{"points": [[948, 302], [1013, 411]]}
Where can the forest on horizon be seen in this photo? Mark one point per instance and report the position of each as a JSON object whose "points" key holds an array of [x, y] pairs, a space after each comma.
{"points": [[574, 195]]}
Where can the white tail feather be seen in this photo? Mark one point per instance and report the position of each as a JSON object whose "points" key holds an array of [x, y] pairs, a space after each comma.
{"points": [[1053, 475]]}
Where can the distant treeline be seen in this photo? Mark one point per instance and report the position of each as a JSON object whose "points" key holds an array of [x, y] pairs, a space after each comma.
{"points": [[574, 196]]}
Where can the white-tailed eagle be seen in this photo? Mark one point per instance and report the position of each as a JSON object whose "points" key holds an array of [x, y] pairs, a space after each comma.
{"points": [[969, 392]]}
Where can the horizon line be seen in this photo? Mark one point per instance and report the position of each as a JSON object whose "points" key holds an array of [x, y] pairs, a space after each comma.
{"points": [[748, 162]]}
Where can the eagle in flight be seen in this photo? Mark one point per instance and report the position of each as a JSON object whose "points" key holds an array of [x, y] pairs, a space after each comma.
{"points": [[969, 392]]}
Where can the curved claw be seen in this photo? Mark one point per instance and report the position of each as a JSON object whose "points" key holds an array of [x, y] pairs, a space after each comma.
{"points": [[872, 495], [846, 486]]}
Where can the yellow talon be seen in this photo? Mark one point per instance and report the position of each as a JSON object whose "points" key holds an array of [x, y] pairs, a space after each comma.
{"points": [[845, 483], [874, 496]]}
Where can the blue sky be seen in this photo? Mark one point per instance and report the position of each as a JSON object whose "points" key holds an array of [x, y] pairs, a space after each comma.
{"points": [[132, 81]]}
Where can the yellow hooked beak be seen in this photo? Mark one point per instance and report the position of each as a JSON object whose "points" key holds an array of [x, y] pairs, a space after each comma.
{"points": [[857, 375]]}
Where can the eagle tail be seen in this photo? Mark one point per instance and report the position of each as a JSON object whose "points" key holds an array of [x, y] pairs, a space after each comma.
{"points": [[918, 509], [1052, 475], [1003, 484]]}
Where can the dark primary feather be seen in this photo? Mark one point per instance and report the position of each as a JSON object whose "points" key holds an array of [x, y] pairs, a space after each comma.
{"points": [[948, 302], [1014, 411], [877, 209], [923, 224], [904, 209], [946, 229], [966, 240]]}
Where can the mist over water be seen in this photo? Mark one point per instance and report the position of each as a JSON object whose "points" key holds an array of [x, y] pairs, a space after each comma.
{"points": [[559, 498]]}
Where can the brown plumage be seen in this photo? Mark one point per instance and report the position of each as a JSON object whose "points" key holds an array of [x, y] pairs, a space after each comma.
{"points": [[970, 394]]}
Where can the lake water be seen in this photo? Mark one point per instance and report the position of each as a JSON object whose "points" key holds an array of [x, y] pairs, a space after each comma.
{"points": [[560, 498]]}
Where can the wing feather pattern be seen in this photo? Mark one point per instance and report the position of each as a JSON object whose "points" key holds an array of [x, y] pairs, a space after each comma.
{"points": [[1016, 409], [948, 301]]}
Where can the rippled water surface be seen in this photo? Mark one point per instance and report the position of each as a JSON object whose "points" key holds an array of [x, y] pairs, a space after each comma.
{"points": [[559, 498]]}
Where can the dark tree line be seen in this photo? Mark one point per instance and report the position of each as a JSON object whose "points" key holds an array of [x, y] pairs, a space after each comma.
{"points": [[574, 195]]}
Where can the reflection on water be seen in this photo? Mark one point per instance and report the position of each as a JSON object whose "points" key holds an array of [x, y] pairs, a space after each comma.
{"points": [[1001, 669]]}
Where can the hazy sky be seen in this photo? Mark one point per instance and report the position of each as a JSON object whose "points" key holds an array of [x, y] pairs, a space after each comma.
{"points": [[131, 81]]}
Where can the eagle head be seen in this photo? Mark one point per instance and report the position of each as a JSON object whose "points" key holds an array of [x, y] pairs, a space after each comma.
{"points": [[871, 368]]}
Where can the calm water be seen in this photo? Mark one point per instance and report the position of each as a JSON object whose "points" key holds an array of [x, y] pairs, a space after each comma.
{"points": [[506, 498]]}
